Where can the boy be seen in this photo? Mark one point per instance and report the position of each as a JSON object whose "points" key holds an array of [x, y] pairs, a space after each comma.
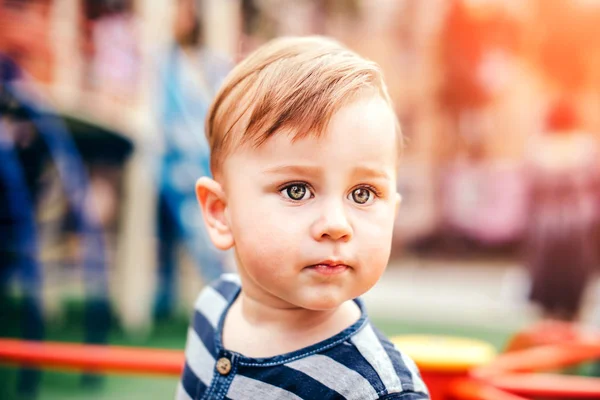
{"points": [[304, 150]]}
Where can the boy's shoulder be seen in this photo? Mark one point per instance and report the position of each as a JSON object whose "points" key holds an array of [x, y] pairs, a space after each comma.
{"points": [[215, 297], [227, 286], [371, 357]]}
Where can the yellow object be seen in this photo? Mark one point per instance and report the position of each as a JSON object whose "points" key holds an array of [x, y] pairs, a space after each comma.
{"points": [[445, 353]]}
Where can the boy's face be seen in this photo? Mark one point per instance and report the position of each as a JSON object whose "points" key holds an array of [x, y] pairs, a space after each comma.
{"points": [[312, 219]]}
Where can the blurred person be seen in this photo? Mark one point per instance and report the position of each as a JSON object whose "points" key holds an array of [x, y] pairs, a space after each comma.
{"points": [[110, 44], [253, 27], [563, 214], [22, 154], [304, 152], [31, 137], [190, 77]]}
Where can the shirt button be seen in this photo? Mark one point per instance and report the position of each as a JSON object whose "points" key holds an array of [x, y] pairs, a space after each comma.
{"points": [[223, 365]]}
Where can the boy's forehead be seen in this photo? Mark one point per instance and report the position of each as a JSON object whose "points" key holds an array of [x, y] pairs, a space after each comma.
{"points": [[362, 130], [367, 113]]}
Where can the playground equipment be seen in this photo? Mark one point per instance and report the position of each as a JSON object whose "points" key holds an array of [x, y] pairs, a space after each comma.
{"points": [[546, 346], [91, 358], [443, 359], [453, 368], [461, 369]]}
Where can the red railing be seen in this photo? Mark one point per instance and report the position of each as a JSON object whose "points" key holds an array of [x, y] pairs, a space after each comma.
{"points": [[91, 358], [514, 372], [511, 376]]}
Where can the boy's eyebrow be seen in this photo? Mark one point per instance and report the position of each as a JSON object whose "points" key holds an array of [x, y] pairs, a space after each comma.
{"points": [[361, 170], [294, 169], [371, 172]]}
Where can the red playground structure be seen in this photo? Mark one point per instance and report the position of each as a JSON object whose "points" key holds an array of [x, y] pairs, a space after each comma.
{"points": [[453, 368]]}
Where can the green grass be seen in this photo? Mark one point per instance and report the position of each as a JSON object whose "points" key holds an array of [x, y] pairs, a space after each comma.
{"points": [[171, 333], [67, 386]]}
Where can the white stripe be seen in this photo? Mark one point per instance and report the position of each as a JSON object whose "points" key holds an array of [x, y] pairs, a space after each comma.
{"points": [[418, 384], [181, 393], [368, 344], [198, 358], [231, 277], [211, 304], [336, 376], [243, 388]]}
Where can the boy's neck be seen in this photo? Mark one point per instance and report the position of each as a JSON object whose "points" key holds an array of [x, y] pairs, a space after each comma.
{"points": [[292, 318], [270, 330]]}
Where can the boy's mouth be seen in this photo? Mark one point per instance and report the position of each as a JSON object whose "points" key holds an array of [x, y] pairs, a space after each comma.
{"points": [[328, 267]]}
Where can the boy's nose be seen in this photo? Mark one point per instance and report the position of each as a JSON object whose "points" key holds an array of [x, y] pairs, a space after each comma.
{"points": [[332, 224]]}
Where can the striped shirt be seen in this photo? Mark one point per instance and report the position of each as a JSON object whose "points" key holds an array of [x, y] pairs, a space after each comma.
{"points": [[357, 363]]}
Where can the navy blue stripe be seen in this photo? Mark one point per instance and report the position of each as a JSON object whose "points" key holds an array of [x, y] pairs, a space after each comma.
{"points": [[406, 396], [227, 289], [291, 380], [205, 332], [191, 383], [348, 355], [401, 369]]}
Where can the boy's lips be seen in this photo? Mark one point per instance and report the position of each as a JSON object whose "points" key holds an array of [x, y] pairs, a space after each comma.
{"points": [[329, 267]]}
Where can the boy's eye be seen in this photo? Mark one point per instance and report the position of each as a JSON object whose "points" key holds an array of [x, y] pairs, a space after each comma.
{"points": [[362, 195], [296, 192]]}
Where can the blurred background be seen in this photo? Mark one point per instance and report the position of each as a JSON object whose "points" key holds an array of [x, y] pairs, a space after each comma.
{"points": [[102, 106]]}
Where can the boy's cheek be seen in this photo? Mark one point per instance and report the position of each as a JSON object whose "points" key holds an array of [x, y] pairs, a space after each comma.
{"points": [[380, 222], [256, 249], [257, 225]]}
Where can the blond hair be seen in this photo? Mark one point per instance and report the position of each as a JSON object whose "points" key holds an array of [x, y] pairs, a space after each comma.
{"points": [[293, 82]]}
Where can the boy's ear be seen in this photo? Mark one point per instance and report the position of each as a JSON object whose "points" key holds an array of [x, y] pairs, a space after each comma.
{"points": [[211, 198], [398, 202]]}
